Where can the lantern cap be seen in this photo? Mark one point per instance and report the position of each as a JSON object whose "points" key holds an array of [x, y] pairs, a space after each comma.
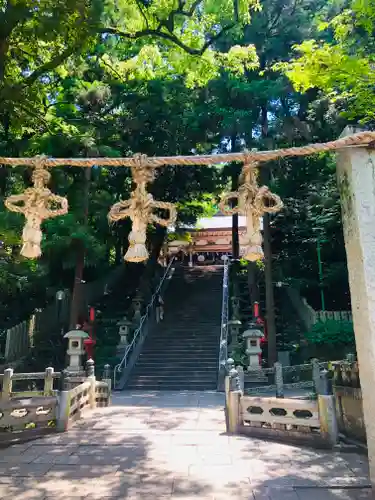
{"points": [[253, 330], [234, 322], [124, 322], [76, 334]]}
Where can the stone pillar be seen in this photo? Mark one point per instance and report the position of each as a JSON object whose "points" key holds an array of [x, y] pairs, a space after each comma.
{"points": [[356, 183], [279, 382], [327, 411], [48, 382], [316, 375]]}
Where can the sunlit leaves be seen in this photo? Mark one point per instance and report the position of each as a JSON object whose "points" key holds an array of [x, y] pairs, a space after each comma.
{"points": [[344, 67]]}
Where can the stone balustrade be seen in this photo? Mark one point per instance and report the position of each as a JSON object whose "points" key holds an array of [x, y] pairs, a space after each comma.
{"points": [[304, 421], [35, 411]]}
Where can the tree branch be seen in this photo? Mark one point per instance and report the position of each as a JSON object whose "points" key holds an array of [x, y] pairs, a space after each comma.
{"points": [[140, 8], [170, 37], [50, 65]]}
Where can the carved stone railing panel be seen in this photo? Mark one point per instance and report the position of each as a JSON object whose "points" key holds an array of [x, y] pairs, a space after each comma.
{"points": [[289, 412], [79, 400], [46, 407], [19, 414], [102, 394]]}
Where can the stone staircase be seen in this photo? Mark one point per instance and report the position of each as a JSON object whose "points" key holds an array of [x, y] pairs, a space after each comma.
{"points": [[182, 352]]}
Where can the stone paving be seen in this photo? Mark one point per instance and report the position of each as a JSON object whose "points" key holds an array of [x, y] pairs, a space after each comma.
{"points": [[173, 445]]}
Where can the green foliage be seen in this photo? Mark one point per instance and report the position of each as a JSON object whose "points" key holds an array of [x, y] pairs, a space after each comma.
{"points": [[180, 236], [331, 332], [170, 77], [340, 61]]}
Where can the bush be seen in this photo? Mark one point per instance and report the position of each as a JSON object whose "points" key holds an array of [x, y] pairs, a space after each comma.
{"points": [[332, 332]]}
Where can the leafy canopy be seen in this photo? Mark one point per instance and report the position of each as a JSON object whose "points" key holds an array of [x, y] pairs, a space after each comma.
{"points": [[341, 61], [331, 332]]}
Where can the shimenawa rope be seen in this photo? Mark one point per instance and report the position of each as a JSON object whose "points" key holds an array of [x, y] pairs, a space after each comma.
{"points": [[253, 202], [140, 210], [359, 139], [35, 206]]}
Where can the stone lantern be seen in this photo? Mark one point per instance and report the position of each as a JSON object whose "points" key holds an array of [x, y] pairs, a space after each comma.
{"points": [[137, 307], [124, 330], [253, 337], [76, 349]]}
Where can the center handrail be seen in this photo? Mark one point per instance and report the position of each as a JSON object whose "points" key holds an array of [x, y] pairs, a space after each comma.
{"points": [[129, 349], [223, 349]]}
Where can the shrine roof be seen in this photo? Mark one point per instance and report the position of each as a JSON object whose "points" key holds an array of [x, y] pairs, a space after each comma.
{"points": [[219, 222]]}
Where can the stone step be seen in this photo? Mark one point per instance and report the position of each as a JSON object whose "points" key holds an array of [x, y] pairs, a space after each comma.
{"points": [[151, 365], [180, 349], [175, 342], [173, 386], [186, 325], [183, 381], [182, 352], [191, 375], [201, 356]]}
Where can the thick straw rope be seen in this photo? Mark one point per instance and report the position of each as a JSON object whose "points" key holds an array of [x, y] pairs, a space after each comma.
{"points": [[140, 210], [35, 206], [253, 202], [360, 139], [140, 207]]}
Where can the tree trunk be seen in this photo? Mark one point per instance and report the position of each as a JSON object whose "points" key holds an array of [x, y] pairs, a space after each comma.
{"points": [[118, 253], [147, 276], [80, 260], [252, 282], [234, 178], [270, 300]]}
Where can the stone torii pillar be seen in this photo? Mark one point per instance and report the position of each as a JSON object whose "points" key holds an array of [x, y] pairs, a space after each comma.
{"points": [[356, 182]]}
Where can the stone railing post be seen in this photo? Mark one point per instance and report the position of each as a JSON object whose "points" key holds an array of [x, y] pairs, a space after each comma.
{"points": [[90, 371], [48, 382], [279, 382], [108, 380], [316, 375], [241, 376], [7, 384], [90, 368], [234, 402], [63, 409], [228, 366], [327, 410]]}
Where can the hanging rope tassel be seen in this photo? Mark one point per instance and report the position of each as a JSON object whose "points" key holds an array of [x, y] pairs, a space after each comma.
{"points": [[35, 204], [253, 202], [140, 210]]}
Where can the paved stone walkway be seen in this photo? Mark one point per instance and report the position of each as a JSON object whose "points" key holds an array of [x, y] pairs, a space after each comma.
{"points": [[173, 445]]}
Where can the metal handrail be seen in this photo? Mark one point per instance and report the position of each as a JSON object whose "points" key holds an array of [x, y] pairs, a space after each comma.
{"points": [[123, 363], [223, 351]]}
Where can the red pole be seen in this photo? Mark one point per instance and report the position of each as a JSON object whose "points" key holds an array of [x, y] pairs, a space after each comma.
{"points": [[90, 342], [256, 310]]}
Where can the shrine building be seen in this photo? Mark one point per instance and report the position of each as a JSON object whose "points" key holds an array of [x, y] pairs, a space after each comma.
{"points": [[210, 240]]}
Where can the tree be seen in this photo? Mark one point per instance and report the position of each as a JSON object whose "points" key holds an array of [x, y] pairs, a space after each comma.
{"points": [[340, 60], [40, 47], [258, 108]]}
